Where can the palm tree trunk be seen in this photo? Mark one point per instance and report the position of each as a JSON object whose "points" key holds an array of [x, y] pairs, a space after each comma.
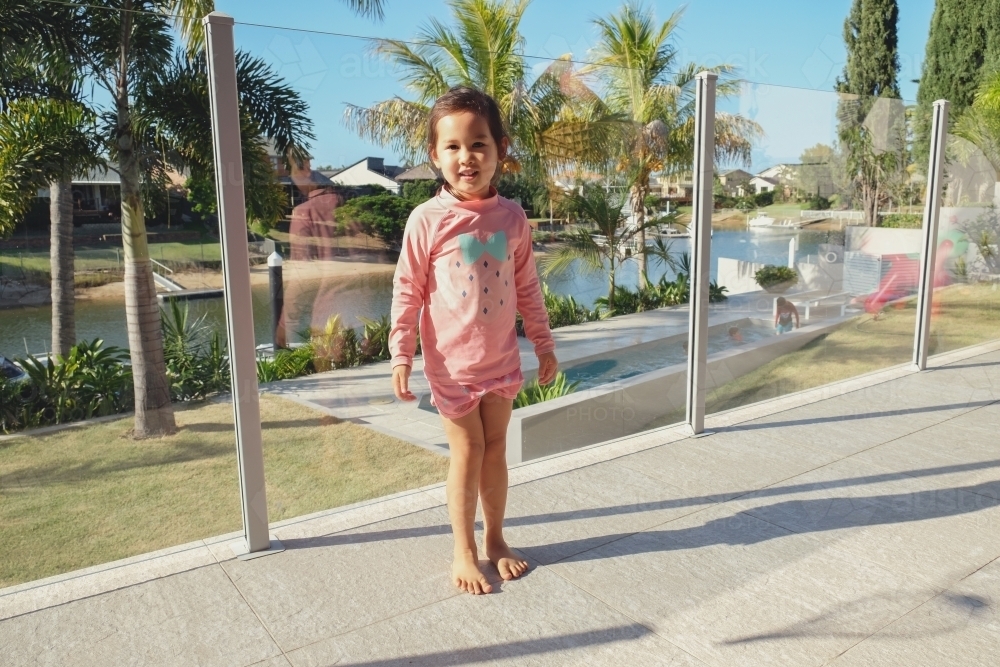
{"points": [[154, 415], [61, 266], [638, 200]]}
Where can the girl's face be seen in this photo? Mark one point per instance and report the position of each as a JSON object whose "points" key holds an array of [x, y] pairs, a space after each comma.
{"points": [[466, 154]]}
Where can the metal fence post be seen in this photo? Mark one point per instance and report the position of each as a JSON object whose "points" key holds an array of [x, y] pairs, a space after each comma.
{"points": [[932, 214], [701, 247], [224, 101]]}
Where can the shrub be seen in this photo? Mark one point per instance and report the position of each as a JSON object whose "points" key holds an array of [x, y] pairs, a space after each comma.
{"points": [[902, 221], [195, 356], [771, 277], [91, 381], [381, 215], [765, 198], [285, 364], [818, 203], [375, 339], [533, 392]]}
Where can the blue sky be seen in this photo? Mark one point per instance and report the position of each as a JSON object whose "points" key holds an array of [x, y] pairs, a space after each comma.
{"points": [[791, 50]]}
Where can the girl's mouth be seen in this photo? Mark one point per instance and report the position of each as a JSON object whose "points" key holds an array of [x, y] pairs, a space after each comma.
{"points": [[468, 174]]}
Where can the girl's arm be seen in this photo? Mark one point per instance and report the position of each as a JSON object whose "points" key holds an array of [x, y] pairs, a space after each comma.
{"points": [[530, 303], [409, 285]]}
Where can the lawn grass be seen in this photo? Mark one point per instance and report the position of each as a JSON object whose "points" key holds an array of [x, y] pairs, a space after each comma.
{"points": [[85, 496]]}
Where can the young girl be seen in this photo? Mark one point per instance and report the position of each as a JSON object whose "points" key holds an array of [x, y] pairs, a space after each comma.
{"points": [[466, 266]]}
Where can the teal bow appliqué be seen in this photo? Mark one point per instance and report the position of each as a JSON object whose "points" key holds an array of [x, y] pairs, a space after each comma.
{"points": [[473, 248]]}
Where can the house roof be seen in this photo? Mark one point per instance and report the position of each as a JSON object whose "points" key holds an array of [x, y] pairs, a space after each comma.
{"points": [[771, 181], [315, 178], [99, 176], [734, 171], [422, 172]]}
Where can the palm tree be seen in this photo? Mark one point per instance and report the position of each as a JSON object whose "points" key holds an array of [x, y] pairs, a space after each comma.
{"points": [[637, 63], [554, 120], [46, 139], [603, 206], [43, 143], [980, 123]]}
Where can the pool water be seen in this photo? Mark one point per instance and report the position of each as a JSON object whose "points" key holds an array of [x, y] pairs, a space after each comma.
{"points": [[632, 361]]}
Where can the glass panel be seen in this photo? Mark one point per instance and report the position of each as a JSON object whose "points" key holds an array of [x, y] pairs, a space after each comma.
{"points": [[74, 497], [966, 307], [816, 240], [340, 236]]}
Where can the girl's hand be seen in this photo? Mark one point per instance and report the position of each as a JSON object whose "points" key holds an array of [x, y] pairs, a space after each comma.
{"points": [[401, 383], [547, 366]]}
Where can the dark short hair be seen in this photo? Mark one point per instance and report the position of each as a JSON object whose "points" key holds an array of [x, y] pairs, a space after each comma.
{"points": [[465, 98], [781, 301]]}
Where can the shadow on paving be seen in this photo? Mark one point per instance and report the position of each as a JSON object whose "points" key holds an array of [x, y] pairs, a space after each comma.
{"points": [[924, 505], [807, 516], [513, 649], [834, 623], [855, 416]]}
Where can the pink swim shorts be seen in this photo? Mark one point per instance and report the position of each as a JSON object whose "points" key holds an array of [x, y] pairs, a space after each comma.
{"points": [[457, 400]]}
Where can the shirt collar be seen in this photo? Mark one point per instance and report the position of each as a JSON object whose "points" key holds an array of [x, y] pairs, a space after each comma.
{"points": [[475, 206]]}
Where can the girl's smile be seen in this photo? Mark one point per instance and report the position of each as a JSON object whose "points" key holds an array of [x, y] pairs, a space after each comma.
{"points": [[467, 154]]}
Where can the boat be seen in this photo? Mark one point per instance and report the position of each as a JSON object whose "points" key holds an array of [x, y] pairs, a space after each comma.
{"points": [[673, 233], [761, 220], [10, 371]]}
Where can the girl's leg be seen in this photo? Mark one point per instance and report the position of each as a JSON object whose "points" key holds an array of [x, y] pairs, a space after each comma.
{"points": [[494, 413], [465, 440]]}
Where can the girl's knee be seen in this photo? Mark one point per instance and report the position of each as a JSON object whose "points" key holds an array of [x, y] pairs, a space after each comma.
{"points": [[495, 448]]}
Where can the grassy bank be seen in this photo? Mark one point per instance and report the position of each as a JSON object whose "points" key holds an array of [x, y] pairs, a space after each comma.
{"points": [[33, 266], [90, 495]]}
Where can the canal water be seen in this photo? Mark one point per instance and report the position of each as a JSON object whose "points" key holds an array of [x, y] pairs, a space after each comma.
{"points": [[29, 329]]}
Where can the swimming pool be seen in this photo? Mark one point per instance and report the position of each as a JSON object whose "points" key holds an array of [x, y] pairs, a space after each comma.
{"points": [[632, 361]]}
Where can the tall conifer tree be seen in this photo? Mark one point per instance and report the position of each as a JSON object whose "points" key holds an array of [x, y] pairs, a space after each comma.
{"points": [[963, 44]]}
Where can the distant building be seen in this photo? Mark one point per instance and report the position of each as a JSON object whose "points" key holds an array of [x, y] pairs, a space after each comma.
{"points": [[759, 184], [735, 182], [677, 188], [781, 173], [370, 171], [422, 172]]}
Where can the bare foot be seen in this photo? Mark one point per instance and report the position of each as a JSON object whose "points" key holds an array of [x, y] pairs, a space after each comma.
{"points": [[508, 564], [466, 575]]}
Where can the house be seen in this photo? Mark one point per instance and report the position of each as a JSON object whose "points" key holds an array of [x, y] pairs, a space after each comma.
{"points": [[370, 171], [781, 173], [677, 188], [735, 182], [422, 172], [759, 184]]}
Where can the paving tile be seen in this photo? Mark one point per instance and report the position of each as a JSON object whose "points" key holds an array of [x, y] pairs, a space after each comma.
{"points": [[961, 626], [538, 620], [195, 617], [725, 465], [560, 516], [661, 577], [277, 661], [63, 588], [333, 584], [905, 523]]}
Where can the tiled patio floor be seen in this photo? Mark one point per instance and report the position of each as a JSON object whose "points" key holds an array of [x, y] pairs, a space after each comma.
{"points": [[857, 524]]}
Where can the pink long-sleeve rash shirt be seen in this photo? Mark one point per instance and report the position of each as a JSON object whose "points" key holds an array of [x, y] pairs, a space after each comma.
{"points": [[464, 268]]}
